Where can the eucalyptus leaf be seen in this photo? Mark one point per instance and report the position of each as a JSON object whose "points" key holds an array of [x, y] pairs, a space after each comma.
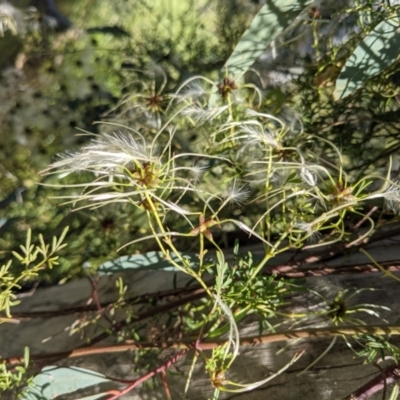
{"points": [[374, 54], [273, 18], [55, 382], [153, 260]]}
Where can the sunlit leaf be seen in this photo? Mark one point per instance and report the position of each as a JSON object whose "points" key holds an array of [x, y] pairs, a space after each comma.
{"points": [[54, 382], [153, 260], [373, 55], [273, 18]]}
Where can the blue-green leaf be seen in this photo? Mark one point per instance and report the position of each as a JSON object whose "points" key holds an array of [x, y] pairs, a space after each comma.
{"points": [[373, 55], [54, 382], [273, 18], [153, 260]]}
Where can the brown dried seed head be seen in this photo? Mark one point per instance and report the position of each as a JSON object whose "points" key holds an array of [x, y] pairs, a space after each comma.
{"points": [[226, 87]]}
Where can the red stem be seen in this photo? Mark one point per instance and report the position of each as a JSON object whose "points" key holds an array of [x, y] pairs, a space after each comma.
{"points": [[161, 368], [375, 385]]}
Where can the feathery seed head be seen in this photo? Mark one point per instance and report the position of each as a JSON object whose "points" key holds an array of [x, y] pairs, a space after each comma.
{"points": [[311, 230], [256, 134], [198, 169], [202, 114], [392, 197], [308, 176], [192, 91], [236, 194], [124, 168], [105, 154]]}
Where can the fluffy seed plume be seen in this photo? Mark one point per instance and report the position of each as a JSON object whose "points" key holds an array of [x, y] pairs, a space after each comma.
{"points": [[236, 194], [105, 154]]}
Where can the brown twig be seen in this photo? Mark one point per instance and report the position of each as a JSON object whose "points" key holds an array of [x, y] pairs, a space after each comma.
{"points": [[95, 296], [366, 216], [209, 345]]}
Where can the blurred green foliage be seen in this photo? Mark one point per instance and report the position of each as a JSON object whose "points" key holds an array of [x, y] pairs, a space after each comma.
{"points": [[117, 56], [59, 83]]}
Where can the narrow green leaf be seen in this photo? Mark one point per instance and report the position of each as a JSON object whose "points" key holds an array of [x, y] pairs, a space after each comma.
{"points": [[62, 246], [20, 369], [26, 356], [57, 243], [225, 328], [54, 244], [44, 248], [28, 241], [395, 393], [18, 256], [374, 54]]}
